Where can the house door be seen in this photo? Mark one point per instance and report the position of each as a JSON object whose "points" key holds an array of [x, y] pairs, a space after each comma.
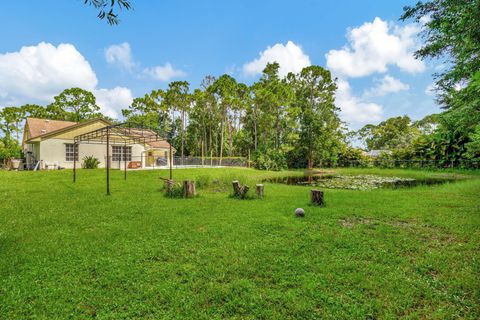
{"points": [[150, 159]]}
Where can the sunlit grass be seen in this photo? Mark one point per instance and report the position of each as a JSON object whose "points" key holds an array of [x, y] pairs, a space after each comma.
{"points": [[69, 251]]}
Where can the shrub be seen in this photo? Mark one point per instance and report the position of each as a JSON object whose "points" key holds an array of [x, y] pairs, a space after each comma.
{"points": [[350, 156], [296, 159], [270, 160], [203, 181], [175, 191], [90, 162]]}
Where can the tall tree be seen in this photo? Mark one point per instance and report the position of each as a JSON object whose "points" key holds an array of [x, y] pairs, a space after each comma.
{"points": [[225, 88], [74, 104], [177, 98], [319, 122], [450, 31], [393, 133]]}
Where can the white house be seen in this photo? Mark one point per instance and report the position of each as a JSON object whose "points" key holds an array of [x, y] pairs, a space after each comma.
{"points": [[50, 144]]}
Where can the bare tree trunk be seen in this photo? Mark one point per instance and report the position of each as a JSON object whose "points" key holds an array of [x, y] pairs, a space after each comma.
{"points": [[183, 130], [221, 140]]}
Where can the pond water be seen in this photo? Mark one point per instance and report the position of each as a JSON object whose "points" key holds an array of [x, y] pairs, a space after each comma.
{"points": [[354, 182]]}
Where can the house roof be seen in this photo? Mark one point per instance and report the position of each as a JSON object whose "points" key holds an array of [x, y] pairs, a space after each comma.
{"points": [[377, 153], [159, 144], [40, 127]]}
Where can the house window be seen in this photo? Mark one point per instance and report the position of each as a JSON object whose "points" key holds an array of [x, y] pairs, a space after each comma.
{"points": [[121, 153], [71, 152]]}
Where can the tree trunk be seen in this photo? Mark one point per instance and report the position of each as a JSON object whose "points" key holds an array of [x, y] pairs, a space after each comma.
{"points": [[189, 189], [183, 129], [316, 197], [259, 190], [221, 140]]}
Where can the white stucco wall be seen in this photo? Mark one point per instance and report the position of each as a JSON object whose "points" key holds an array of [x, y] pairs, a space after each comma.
{"points": [[52, 151]]}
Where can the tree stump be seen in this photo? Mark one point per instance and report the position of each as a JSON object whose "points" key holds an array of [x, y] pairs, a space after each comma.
{"points": [[188, 189], [236, 188], [169, 184], [243, 191], [259, 190], [239, 191], [316, 197]]}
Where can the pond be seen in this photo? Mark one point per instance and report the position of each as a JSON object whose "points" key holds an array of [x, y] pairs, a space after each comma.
{"points": [[354, 182]]}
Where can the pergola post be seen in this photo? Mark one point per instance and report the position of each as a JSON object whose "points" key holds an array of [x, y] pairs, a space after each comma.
{"points": [[171, 161], [125, 160], [125, 131], [108, 161], [75, 162]]}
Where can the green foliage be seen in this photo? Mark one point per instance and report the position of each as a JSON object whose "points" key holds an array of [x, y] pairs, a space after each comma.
{"points": [[107, 9], [203, 181], [319, 124], [451, 33], [473, 147], [175, 191], [90, 162], [270, 160], [393, 133], [74, 104], [350, 156]]}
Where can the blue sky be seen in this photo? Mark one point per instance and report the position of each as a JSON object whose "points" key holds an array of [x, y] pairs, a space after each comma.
{"points": [[368, 49]]}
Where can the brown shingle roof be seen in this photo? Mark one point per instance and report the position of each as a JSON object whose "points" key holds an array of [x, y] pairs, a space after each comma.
{"points": [[39, 127], [159, 144]]}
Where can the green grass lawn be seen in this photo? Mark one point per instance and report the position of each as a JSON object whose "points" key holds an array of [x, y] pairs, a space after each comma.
{"points": [[69, 251]]}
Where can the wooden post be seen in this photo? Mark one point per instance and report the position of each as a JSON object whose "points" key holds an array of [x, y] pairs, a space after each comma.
{"points": [[259, 190], [316, 197], [189, 189]]}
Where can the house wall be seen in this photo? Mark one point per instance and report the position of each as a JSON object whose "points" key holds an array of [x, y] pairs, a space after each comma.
{"points": [[53, 151]]}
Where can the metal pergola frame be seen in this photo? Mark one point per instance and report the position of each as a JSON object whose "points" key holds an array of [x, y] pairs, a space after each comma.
{"points": [[128, 133]]}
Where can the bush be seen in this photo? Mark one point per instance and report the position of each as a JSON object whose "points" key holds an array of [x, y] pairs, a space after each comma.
{"points": [[203, 181], [296, 159], [90, 162], [270, 160], [352, 157]]}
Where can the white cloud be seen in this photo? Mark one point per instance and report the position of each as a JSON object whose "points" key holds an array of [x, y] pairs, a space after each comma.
{"points": [[373, 47], [164, 73], [354, 110], [386, 85], [38, 73], [121, 55], [290, 57], [112, 101]]}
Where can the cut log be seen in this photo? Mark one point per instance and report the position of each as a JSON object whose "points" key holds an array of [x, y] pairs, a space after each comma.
{"points": [[188, 189], [239, 191], [169, 186], [243, 191], [236, 188], [259, 190], [317, 197]]}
